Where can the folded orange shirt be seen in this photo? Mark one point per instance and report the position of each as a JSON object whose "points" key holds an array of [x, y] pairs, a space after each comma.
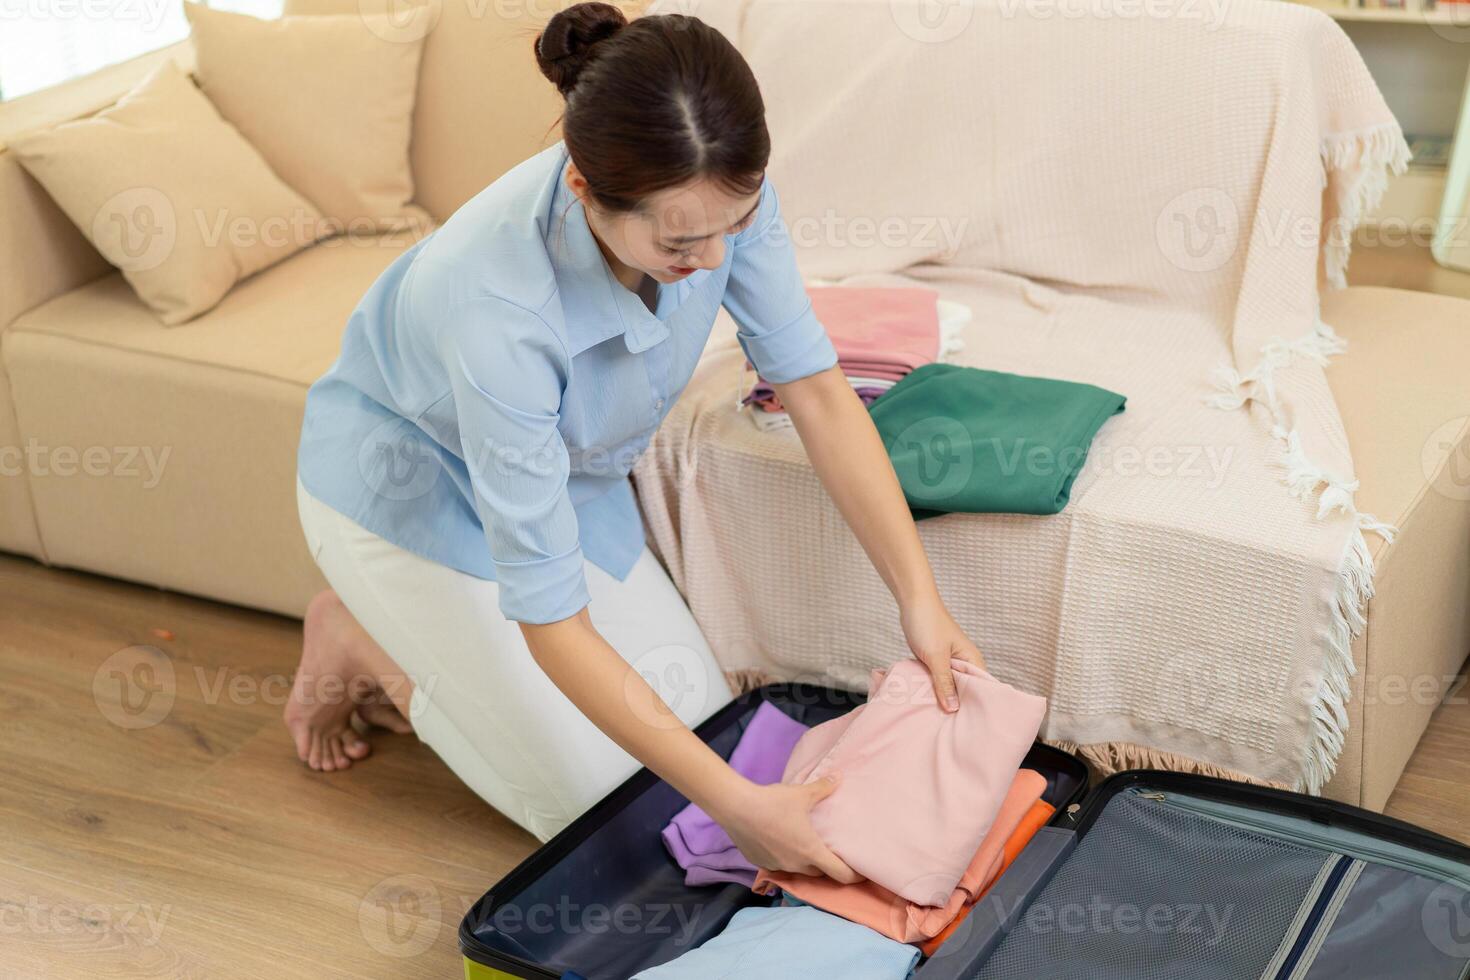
{"points": [[878, 908], [1036, 818]]}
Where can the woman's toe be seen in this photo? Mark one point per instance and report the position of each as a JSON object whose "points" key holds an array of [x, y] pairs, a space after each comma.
{"points": [[301, 737], [355, 746], [339, 755]]}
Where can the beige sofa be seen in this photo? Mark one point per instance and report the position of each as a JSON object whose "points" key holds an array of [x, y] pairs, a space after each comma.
{"points": [[215, 404], [165, 455]]}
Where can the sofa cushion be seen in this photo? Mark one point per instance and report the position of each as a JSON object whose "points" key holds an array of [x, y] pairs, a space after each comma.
{"points": [[346, 147], [285, 323], [168, 455], [483, 105], [170, 193]]}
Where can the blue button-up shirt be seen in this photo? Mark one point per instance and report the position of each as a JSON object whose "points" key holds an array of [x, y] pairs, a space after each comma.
{"points": [[497, 383]]}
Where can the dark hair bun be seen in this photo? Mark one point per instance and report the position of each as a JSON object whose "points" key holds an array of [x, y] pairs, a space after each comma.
{"points": [[570, 41]]}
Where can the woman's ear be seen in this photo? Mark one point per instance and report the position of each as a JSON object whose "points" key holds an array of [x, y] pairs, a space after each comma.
{"points": [[576, 182]]}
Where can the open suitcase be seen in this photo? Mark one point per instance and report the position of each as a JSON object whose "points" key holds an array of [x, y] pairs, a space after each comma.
{"points": [[1151, 875]]}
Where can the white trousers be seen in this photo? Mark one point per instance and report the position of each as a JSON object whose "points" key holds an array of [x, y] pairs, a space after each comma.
{"points": [[480, 701]]}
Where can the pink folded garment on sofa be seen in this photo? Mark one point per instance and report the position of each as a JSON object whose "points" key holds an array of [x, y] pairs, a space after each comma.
{"points": [[880, 333], [908, 922], [920, 787], [879, 328]]}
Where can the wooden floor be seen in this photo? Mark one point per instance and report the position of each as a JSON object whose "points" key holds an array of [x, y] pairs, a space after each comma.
{"points": [[140, 838], [154, 821]]}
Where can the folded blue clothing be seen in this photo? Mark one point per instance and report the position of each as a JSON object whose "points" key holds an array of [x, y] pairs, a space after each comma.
{"points": [[791, 943]]}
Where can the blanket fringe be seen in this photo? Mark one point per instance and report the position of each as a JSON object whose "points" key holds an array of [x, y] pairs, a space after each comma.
{"points": [[1365, 159], [1106, 758], [953, 318], [951, 341], [747, 679], [1304, 480], [1368, 157]]}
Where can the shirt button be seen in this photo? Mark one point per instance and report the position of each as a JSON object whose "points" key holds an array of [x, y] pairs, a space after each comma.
{"points": [[658, 406]]}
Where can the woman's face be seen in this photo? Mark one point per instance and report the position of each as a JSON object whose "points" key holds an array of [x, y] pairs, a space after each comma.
{"points": [[676, 232]]}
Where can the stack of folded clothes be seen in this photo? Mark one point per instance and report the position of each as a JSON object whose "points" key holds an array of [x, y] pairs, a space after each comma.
{"points": [[881, 334], [928, 799], [932, 808]]}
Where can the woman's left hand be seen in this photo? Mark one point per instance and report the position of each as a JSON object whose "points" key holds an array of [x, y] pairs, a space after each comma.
{"points": [[936, 640]]}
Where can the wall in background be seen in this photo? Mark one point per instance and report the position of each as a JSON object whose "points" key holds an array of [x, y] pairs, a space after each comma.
{"points": [[1421, 71]]}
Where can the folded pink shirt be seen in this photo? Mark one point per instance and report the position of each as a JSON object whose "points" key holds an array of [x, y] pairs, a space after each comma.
{"points": [[921, 787], [878, 329], [880, 333], [878, 908]]}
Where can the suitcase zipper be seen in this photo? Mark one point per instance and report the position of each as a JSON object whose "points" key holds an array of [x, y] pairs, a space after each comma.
{"points": [[1359, 848], [1319, 907]]}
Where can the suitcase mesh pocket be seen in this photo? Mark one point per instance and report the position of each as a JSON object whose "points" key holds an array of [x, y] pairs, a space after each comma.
{"points": [[1157, 892]]}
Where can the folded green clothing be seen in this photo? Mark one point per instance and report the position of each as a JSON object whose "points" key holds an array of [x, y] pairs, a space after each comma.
{"points": [[984, 442]]}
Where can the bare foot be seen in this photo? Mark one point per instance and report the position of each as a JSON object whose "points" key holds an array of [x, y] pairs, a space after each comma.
{"points": [[383, 713], [342, 671]]}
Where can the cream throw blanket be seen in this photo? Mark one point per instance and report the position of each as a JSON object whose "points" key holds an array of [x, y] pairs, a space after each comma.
{"points": [[1132, 193]]}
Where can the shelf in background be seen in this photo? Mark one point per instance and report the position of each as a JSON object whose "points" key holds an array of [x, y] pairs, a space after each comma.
{"points": [[1445, 15]]}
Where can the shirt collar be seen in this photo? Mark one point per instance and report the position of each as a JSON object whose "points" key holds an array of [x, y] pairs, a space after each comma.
{"points": [[596, 307]]}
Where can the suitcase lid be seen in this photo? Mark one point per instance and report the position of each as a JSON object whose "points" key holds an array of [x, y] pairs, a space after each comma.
{"points": [[1337, 841]]}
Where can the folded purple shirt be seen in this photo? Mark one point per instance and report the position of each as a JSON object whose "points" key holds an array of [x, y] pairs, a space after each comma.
{"points": [[701, 846]]}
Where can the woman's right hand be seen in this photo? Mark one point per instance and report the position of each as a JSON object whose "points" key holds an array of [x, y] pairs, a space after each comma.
{"points": [[772, 826]]}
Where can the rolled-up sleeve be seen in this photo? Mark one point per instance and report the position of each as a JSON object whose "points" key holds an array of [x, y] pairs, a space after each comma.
{"points": [[768, 301], [507, 372]]}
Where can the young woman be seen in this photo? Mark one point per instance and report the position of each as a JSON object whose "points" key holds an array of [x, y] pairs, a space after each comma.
{"points": [[463, 471]]}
